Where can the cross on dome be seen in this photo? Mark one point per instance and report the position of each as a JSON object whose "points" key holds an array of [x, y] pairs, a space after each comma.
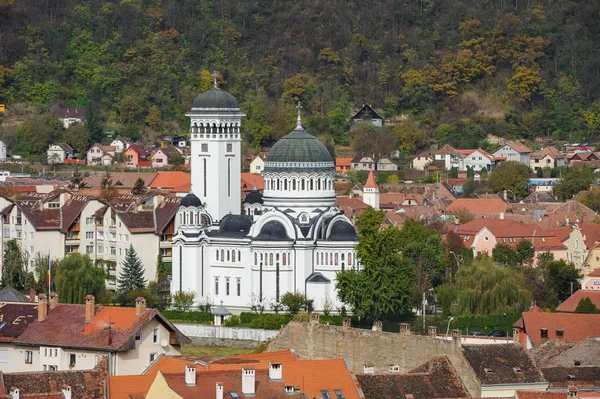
{"points": [[215, 75], [299, 120]]}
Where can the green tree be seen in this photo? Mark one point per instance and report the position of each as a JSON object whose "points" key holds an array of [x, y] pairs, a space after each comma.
{"points": [[487, 288], [132, 272], [76, 277], [77, 180], [504, 255], [410, 136], [562, 277], [384, 286], [78, 138], [573, 181], [511, 176], [183, 301], [139, 187], [586, 305], [13, 266], [33, 136], [525, 253], [293, 302], [591, 199], [373, 141], [454, 172]]}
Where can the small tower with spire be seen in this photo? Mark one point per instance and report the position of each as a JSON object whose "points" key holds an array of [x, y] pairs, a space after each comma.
{"points": [[371, 192]]}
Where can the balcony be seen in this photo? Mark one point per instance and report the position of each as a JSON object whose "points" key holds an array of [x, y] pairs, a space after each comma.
{"points": [[165, 244], [72, 241]]}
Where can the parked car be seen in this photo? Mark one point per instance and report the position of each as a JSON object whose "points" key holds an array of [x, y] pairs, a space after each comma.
{"points": [[497, 333], [477, 334]]}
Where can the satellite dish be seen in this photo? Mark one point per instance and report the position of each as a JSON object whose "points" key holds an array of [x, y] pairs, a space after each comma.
{"points": [[164, 343]]}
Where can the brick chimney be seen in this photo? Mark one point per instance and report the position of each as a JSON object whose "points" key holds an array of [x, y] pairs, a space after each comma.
{"points": [[42, 307], [140, 306], [456, 337], [89, 308], [275, 371], [516, 332], [314, 318], [53, 300]]}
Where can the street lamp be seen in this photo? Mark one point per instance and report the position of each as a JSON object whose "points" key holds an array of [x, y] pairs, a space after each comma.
{"points": [[448, 329]]}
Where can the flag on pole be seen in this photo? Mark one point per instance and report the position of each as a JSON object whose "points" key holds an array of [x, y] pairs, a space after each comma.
{"points": [[48, 279]]}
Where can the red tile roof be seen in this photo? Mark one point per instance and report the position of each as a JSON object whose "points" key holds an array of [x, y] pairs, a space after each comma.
{"points": [[248, 180], [540, 395], [371, 181], [170, 180], [54, 331], [591, 232], [551, 151], [576, 327], [17, 317], [570, 304], [519, 147], [447, 150], [478, 206], [343, 161]]}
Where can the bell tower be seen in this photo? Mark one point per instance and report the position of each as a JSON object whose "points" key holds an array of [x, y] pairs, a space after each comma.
{"points": [[215, 121]]}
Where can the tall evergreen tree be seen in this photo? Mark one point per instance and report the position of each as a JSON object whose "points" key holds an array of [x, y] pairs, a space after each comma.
{"points": [[139, 188], [132, 272], [77, 179]]}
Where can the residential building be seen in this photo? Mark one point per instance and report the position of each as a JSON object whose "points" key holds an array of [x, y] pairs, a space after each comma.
{"points": [[367, 115], [9, 294], [576, 148], [565, 354], [591, 281], [262, 375], [78, 337], [343, 165], [257, 166], [362, 162], [501, 370], [120, 143], [420, 161], [448, 157], [570, 304], [163, 157], [514, 151], [583, 238], [134, 154], [274, 247], [171, 181], [548, 157], [57, 153], [101, 155], [70, 116], [478, 160], [536, 327], [434, 379], [478, 208], [385, 164]]}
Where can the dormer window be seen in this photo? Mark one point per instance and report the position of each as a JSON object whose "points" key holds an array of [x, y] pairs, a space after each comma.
{"points": [[394, 368], [488, 371], [517, 369]]}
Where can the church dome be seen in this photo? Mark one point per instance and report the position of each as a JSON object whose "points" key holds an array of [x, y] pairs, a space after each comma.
{"points": [[342, 231], [215, 98], [190, 200], [272, 231], [254, 197], [298, 151]]}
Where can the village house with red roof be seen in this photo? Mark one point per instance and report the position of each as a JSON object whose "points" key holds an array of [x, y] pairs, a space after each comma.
{"points": [[514, 151]]}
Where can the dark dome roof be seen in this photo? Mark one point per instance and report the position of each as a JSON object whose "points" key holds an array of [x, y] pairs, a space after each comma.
{"points": [[254, 197], [235, 223], [342, 231], [190, 200], [272, 231], [215, 98], [298, 147]]}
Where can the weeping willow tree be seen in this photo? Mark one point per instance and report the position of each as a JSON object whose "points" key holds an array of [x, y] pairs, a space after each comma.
{"points": [[487, 288], [77, 277]]}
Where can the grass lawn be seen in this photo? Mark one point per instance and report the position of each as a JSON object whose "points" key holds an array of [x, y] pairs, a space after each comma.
{"points": [[215, 351]]}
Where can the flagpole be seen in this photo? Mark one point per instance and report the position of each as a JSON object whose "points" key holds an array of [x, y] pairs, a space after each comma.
{"points": [[49, 279]]}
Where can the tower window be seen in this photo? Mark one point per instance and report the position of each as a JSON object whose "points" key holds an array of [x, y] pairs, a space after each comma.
{"points": [[229, 147], [204, 147], [239, 286], [227, 286], [204, 164], [229, 177], [216, 286]]}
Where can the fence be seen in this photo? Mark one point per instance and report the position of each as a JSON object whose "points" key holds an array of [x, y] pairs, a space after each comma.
{"points": [[240, 333]]}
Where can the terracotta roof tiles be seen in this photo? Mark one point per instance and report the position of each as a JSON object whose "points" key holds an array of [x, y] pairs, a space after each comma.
{"points": [[478, 206], [170, 180], [570, 304], [576, 327], [371, 181]]}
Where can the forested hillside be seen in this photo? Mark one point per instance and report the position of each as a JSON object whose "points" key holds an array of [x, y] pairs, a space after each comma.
{"points": [[460, 68]]}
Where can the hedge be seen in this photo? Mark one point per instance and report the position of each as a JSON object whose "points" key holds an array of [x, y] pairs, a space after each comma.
{"points": [[486, 323], [189, 316], [270, 321]]}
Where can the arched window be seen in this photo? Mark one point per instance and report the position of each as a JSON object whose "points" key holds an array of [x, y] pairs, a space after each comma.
{"points": [[214, 128], [262, 257], [327, 258], [222, 255], [350, 258], [284, 260], [330, 259], [228, 255], [233, 256], [318, 184], [322, 259], [271, 259], [278, 188], [239, 256], [336, 259], [255, 259], [217, 253], [318, 263], [302, 186], [294, 184], [343, 256], [312, 182], [285, 184], [343, 266]]}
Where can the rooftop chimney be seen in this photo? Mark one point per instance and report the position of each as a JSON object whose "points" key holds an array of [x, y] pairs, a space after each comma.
{"points": [[89, 308], [14, 393], [248, 384], [368, 368], [53, 300], [275, 371], [456, 337], [140, 306], [516, 332], [219, 390], [190, 375], [404, 328], [66, 390], [42, 307]]}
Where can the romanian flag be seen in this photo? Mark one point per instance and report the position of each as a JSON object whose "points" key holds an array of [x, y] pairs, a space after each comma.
{"points": [[48, 279]]}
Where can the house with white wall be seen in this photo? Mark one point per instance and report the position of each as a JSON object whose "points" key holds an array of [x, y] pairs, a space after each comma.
{"points": [[420, 161], [57, 153], [514, 151], [50, 336]]}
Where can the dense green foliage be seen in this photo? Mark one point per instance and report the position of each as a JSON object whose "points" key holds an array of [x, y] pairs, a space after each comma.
{"points": [[188, 316], [131, 276], [13, 266], [77, 277], [510, 176], [461, 69]]}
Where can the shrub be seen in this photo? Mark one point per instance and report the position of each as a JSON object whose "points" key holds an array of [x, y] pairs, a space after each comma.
{"points": [[188, 316], [247, 317], [232, 321], [293, 302], [270, 321], [183, 300]]}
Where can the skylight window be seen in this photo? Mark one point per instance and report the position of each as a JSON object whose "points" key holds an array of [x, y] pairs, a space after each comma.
{"points": [[325, 394], [234, 395], [338, 393]]}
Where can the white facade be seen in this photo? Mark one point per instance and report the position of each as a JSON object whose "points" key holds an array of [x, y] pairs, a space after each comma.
{"points": [[293, 238], [56, 154], [508, 152], [477, 160], [257, 166]]}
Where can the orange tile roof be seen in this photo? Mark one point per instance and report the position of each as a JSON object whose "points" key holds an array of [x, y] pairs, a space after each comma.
{"points": [[591, 233], [540, 395], [170, 180], [519, 147], [343, 161], [248, 180], [594, 273], [371, 181], [312, 376], [576, 326], [447, 149], [478, 206], [570, 304], [122, 386]]}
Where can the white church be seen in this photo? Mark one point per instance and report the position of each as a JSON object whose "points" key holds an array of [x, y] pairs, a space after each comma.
{"points": [[291, 238]]}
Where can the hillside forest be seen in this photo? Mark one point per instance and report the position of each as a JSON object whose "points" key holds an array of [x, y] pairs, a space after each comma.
{"points": [[439, 71]]}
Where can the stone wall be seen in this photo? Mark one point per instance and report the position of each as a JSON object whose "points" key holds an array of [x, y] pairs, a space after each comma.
{"points": [[382, 349]]}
